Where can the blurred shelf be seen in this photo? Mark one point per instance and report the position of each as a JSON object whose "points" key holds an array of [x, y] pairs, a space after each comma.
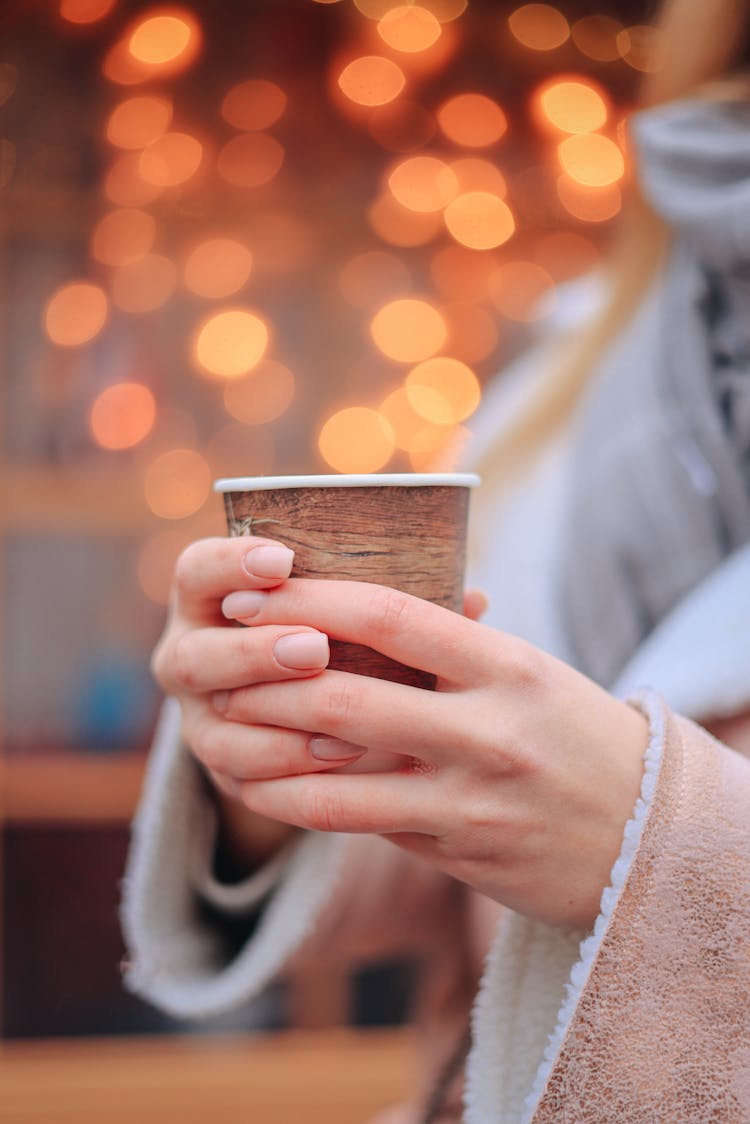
{"points": [[338, 1076], [94, 500], [61, 787]]}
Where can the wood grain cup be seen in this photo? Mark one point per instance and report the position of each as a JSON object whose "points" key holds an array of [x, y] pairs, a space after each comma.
{"points": [[405, 531]]}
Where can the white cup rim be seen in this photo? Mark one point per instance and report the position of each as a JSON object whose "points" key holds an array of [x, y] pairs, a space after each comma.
{"points": [[349, 480]]}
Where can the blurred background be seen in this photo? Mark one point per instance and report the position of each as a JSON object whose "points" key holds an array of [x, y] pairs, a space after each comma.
{"points": [[245, 237]]}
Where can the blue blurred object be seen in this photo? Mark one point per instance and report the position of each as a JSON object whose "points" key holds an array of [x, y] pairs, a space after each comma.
{"points": [[113, 705]]}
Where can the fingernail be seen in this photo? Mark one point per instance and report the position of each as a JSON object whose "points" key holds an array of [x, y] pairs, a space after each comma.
{"points": [[302, 651], [243, 603], [220, 701], [269, 562], [331, 749]]}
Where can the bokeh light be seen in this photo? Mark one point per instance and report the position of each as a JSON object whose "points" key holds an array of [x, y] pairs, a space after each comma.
{"points": [[443, 390], [539, 26], [165, 40], [372, 277], [138, 121], [403, 419], [446, 10], [263, 396], [589, 204], [639, 46], [521, 290], [408, 330], [565, 254], [438, 448], [250, 159], [85, 11], [591, 159], [125, 186], [122, 415], [356, 439], [230, 343], [571, 105], [479, 220], [474, 173], [423, 183], [123, 236], [371, 80], [171, 160], [254, 104], [472, 120], [177, 483], [596, 37], [409, 28], [75, 313], [218, 267], [144, 285], [399, 226]]}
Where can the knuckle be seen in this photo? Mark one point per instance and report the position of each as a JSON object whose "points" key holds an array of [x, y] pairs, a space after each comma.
{"points": [[322, 811], [209, 744], [180, 668], [338, 706], [527, 667], [388, 612]]}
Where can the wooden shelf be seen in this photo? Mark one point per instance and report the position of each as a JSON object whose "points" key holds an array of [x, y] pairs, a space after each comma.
{"points": [[319, 1077], [70, 788]]}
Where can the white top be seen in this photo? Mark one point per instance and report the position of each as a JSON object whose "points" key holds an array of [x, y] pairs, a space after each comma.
{"points": [[348, 480]]}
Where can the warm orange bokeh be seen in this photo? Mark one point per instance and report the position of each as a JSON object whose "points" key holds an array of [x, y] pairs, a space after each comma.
{"points": [[462, 274], [172, 159], [408, 330], [217, 267], [75, 314], [443, 390], [139, 121], [474, 173], [589, 204], [571, 105], [517, 289], [472, 120], [228, 344], [640, 48], [596, 37], [371, 80], [479, 220], [539, 26], [446, 10], [122, 415], [250, 159], [403, 419], [423, 183], [177, 483], [591, 159], [409, 28], [85, 11], [438, 448], [144, 285], [125, 186], [372, 277], [401, 227], [123, 236], [253, 104], [165, 39], [262, 397], [565, 254], [356, 439]]}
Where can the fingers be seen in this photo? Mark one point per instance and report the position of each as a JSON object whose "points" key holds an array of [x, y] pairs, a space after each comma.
{"points": [[407, 629], [476, 604], [215, 659], [378, 803], [383, 716], [207, 570], [240, 752]]}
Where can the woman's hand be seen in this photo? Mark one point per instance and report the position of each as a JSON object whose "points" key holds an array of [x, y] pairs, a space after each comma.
{"points": [[200, 653], [517, 776]]}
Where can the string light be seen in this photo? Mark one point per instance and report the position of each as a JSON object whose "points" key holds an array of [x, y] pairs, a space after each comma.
{"points": [[75, 313], [230, 343], [409, 28], [472, 120], [356, 439], [479, 220], [539, 26], [122, 415], [371, 80], [408, 330]]}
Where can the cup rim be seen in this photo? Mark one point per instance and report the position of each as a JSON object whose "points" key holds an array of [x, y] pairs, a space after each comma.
{"points": [[348, 480]]}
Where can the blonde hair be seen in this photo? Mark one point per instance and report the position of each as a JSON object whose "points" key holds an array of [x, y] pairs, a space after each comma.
{"points": [[701, 40]]}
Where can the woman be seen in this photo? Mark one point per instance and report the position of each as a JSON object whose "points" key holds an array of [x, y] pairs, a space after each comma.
{"points": [[593, 840]]}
